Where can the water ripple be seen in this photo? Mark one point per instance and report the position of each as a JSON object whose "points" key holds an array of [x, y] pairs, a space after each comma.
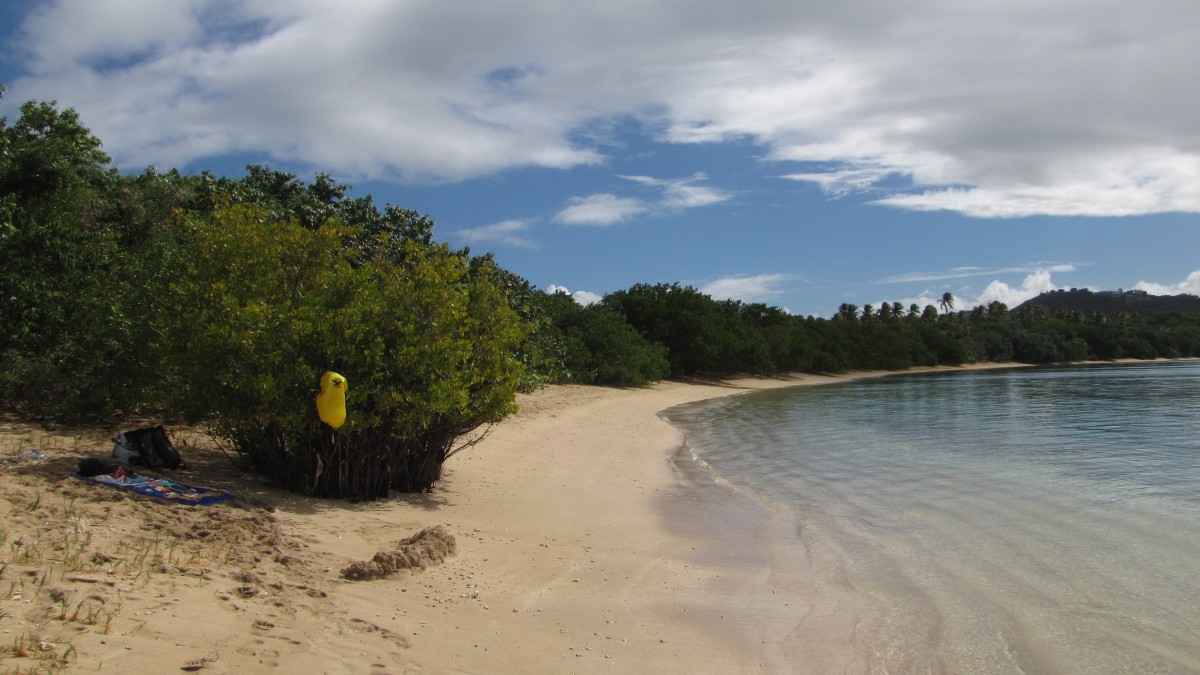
{"points": [[998, 521]]}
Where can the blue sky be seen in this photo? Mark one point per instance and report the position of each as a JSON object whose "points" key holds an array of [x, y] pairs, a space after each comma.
{"points": [[798, 153]]}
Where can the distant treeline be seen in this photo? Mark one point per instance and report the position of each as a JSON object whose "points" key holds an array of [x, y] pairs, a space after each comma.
{"points": [[649, 332], [1085, 301], [222, 301]]}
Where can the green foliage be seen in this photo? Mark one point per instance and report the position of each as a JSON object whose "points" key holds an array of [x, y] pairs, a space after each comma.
{"points": [[543, 354], [50, 159], [262, 308], [67, 347], [1085, 302], [685, 321], [704, 336], [284, 196], [224, 301], [598, 346]]}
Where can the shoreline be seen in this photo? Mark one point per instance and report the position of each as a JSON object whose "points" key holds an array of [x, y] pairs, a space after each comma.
{"points": [[632, 570], [586, 542]]}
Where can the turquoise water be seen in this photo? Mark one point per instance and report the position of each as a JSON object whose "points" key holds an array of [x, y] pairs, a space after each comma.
{"points": [[1040, 520]]}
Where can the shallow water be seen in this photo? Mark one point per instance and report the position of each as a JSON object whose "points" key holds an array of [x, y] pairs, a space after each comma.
{"points": [[1024, 520]]}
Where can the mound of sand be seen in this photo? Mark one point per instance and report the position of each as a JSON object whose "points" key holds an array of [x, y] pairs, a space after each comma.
{"points": [[430, 545]]}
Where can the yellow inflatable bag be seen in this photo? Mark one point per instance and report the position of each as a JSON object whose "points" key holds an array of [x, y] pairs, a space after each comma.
{"points": [[331, 402]]}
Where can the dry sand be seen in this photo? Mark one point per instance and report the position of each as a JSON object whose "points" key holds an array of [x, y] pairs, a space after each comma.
{"points": [[585, 541]]}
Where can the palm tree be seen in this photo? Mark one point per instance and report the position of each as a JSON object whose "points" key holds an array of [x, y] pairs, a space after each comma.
{"points": [[947, 301]]}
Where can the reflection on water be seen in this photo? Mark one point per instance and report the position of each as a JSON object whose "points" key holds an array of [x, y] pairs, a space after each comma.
{"points": [[1026, 520]]}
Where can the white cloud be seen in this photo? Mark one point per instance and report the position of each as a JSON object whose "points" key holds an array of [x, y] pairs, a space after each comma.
{"points": [[1150, 180], [508, 232], [1038, 280], [757, 288], [670, 195], [842, 182], [584, 298], [1190, 286], [83, 34], [966, 272], [990, 109], [1033, 285], [600, 209], [683, 193]]}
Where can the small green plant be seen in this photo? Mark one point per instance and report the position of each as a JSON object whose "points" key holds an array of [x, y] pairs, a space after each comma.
{"points": [[85, 611], [146, 573], [44, 578], [74, 547], [93, 615], [45, 654], [148, 552], [69, 509], [24, 551]]}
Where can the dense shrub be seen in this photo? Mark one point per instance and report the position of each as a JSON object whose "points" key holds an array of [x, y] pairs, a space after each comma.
{"points": [[599, 347], [70, 344], [261, 309]]}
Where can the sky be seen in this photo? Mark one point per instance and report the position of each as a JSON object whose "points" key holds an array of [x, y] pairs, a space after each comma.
{"points": [[799, 153]]}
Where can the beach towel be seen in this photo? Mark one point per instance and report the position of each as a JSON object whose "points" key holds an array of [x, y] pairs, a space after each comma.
{"points": [[162, 488]]}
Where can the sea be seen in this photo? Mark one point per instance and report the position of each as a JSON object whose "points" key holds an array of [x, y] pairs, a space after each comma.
{"points": [[1024, 520]]}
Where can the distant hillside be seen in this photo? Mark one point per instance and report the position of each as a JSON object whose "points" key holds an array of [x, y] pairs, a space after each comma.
{"points": [[1083, 300]]}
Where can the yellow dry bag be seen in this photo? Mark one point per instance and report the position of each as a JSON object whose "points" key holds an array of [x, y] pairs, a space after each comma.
{"points": [[331, 402]]}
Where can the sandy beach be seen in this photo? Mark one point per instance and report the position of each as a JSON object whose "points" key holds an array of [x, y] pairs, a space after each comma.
{"points": [[586, 541]]}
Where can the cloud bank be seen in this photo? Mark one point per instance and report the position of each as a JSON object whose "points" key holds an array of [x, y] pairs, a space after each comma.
{"points": [[1190, 286], [756, 288], [988, 109]]}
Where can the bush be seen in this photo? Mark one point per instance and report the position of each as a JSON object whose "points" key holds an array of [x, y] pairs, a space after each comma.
{"points": [[597, 346], [260, 309], [70, 345]]}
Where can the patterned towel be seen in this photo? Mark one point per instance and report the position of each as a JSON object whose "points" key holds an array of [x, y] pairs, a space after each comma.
{"points": [[162, 488]]}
